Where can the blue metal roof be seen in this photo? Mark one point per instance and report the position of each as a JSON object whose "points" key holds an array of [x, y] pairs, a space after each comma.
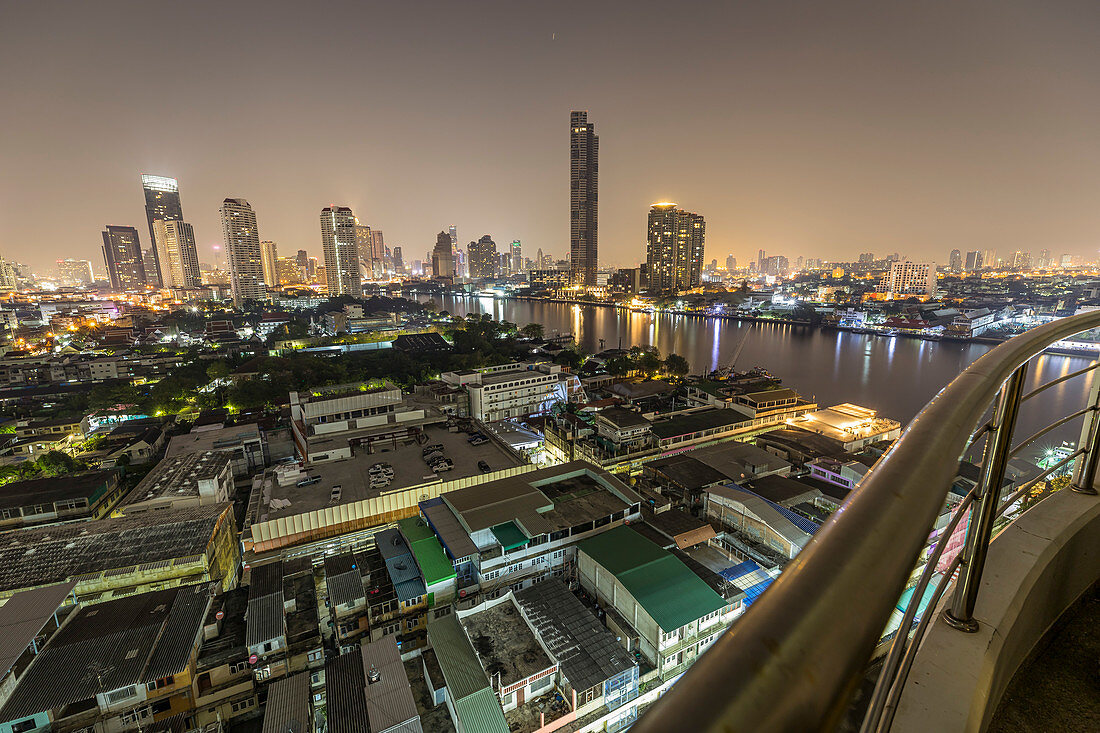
{"points": [[806, 525]]}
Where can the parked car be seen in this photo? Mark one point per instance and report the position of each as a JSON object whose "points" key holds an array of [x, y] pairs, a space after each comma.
{"points": [[334, 495], [309, 481], [484, 466]]}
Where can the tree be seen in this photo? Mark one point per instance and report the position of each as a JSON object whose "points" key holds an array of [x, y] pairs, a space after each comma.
{"points": [[650, 363], [56, 463], [677, 365], [217, 370], [532, 331]]}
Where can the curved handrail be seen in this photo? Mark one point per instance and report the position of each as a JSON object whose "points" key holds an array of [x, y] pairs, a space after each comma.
{"points": [[793, 660]]}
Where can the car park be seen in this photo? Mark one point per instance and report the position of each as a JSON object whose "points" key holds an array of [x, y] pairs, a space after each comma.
{"points": [[309, 481]]}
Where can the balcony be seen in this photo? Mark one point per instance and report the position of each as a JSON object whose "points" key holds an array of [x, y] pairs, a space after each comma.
{"points": [[997, 600]]}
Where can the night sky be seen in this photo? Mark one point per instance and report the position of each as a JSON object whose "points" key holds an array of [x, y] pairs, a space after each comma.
{"points": [[816, 129]]}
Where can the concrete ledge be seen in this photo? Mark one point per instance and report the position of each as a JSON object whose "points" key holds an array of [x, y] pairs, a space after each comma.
{"points": [[1037, 568]]}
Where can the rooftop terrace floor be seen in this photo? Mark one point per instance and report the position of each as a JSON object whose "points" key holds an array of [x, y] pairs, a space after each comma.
{"points": [[352, 476], [504, 643]]}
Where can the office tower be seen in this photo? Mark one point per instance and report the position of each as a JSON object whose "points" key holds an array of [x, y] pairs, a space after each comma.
{"points": [[517, 256], [341, 256], [538, 260], [1021, 260], [674, 252], [398, 261], [866, 258], [584, 158], [9, 278], [760, 257], [312, 269], [364, 248], [268, 258], [122, 257], [162, 201], [75, 272], [452, 231], [177, 256], [287, 271], [973, 260], [242, 250], [731, 263], [483, 257], [443, 260], [907, 279], [989, 258], [303, 258], [955, 261], [776, 266], [1044, 259]]}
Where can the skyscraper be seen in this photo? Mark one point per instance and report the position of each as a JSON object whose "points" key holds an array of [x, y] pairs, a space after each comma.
{"points": [[177, 254], [517, 256], [269, 257], [341, 256], [162, 201], [363, 245], [443, 260], [75, 272], [242, 249], [378, 253], [483, 257], [674, 252], [955, 261], [584, 159], [398, 261], [122, 256], [973, 260]]}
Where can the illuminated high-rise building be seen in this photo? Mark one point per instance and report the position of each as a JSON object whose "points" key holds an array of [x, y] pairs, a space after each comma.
{"points": [[674, 251], [162, 202], [269, 256], [242, 249], [75, 272], [398, 261], [955, 261], [443, 260], [483, 258], [288, 272], [342, 273], [516, 253], [584, 159], [378, 253], [177, 255], [122, 257], [974, 260]]}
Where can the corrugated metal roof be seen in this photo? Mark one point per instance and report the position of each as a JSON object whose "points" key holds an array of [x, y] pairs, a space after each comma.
{"points": [[461, 670], [288, 707], [481, 712], [51, 554], [345, 699], [265, 619], [669, 592], [106, 647], [587, 651], [455, 539], [434, 564], [389, 699], [181, 632], [23, 616]]}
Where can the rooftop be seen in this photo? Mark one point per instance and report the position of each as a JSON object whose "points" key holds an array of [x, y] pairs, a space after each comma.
{"points": [[55, 553], [345, 703], [694, 422], [88, 486], [389, 699], [620, 417], [669, 592], [461, 670], [178, 476], [107, 646], [23, 616], [427, 550], [456, 541], [587, 651], [215, 439], [288, 708], [504, 644], [353, 477], [542, 501]]}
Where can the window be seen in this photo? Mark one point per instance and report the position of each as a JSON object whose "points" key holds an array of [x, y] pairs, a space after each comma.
{"points": [[162, 682], [238, 667], [241, 705], [709, 618], [316, 655], [27, 725], [267, 647], [116, 696]]}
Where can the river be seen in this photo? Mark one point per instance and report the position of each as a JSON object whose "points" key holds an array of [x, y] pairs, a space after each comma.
{"points": [[895, 376]]}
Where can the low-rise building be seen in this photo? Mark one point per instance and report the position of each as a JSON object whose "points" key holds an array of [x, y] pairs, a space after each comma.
{"points": [[58, 499], [654, 601], [27, 621], [765, 521], [109, 558], [123, 665], [282, 630], [225, 687], [368, 685], [515, 390], [183, 480], [853, 426], [471, 702]]}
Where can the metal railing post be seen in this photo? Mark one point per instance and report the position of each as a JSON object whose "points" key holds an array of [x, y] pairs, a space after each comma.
{"points": [[980, 530], [1085, 476]]}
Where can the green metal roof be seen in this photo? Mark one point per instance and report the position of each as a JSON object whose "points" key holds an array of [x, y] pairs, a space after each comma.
{"points": [[668, 591], [461, 670], [481, 711], [425, 546], [510, 536]]}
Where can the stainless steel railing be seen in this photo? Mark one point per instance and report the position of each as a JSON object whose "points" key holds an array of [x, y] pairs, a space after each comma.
{"points": [[793, 661]]}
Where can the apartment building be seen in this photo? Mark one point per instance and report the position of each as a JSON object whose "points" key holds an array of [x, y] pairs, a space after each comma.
{"points": [[515, 390]]}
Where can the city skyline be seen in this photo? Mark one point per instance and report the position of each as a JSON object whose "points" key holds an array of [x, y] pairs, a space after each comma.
{"points": [[907, 140]]}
